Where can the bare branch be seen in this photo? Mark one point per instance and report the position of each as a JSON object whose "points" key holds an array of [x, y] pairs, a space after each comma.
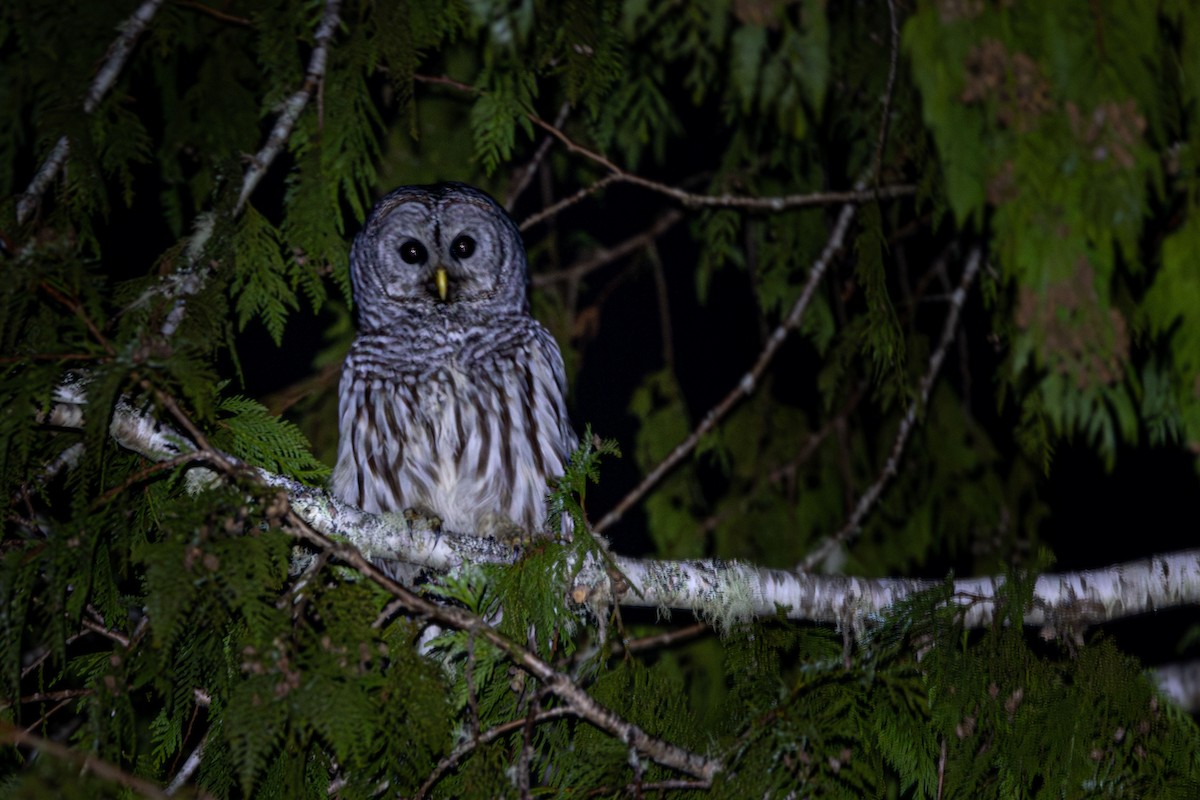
{"points": [[85, 762], [190, 765], [313, 77], [665, 328], [114, 62], [107, 633], [868, 499], [41, 180], [214, 13], [889, 92], [467, 747], [694, 200], [190, 279], [566, 202], [605, 256], [686, 198], [526, 173], [749, 381], [660, 640]]}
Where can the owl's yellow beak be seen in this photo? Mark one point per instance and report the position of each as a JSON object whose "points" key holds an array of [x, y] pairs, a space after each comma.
{"points": [[442, 281]]}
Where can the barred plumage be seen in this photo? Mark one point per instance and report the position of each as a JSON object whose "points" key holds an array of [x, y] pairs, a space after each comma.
{"points": [[452, 399]]}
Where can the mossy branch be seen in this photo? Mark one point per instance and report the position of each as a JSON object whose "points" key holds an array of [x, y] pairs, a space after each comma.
{"points": [[725, 593]]}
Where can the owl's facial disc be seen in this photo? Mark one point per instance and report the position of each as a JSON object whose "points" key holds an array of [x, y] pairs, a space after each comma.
{"points": [[450, 253], [444, 247]]}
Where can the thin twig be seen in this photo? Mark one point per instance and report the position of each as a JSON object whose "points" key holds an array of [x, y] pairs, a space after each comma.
{"points": [[788, 470], [639, 771], [41, 721], [530, 169], [749, 381], [466, 748], [48, 697], [694, 200], [114, 62], [52, 357], [168, 402], [313, 77], [324, 378], [686, 198], [941, 770], [221, 15], [889, 92], [785, 473], [665, 639], [76, 308], [42, 179], [605, 256], [472, 700], [107, 633], [567, 202], [655, 786], [525, 758], [665, 328], [84, 761], [143, 474], [390, 610], [557, 683], [43, 654], [868, 498]]}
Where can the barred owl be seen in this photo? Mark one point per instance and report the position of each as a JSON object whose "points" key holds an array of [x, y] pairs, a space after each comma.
{"points": [[452, 399]]}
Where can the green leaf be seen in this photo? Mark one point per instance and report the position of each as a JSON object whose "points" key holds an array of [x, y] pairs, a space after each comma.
{"points": [[259, 283], [246, 429], [746, 45]]}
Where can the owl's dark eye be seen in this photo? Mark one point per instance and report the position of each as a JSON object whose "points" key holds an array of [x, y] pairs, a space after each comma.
{"points": [[462, 247], [413, 252]]}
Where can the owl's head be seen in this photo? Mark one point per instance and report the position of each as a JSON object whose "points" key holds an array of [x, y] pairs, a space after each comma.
{"points": [[447, 246]]}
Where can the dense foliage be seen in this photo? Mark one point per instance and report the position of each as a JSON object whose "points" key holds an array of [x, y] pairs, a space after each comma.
{"points": [[678, 170]]}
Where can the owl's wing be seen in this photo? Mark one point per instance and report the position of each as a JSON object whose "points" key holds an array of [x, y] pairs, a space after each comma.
{"points": [[376, 427]]}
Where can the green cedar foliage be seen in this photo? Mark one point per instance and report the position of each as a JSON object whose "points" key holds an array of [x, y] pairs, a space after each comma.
{"points": [[149, 613]]}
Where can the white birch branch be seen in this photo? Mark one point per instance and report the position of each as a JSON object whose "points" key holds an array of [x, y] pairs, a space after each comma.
{"points": [[723, 592], [114, 62], [728, 592]]}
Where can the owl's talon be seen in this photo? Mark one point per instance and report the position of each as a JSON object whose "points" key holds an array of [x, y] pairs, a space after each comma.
{"points": [[503, 530], [423, 519]]}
